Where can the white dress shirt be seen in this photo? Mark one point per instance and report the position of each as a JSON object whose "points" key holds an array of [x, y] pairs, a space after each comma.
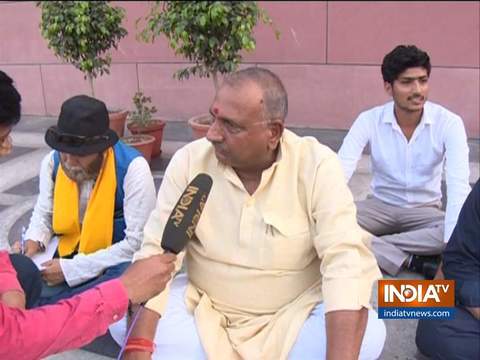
{"points": [[409, 173], [138, 202]]}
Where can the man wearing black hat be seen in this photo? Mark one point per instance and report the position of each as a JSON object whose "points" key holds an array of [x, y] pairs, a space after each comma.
{"points": [[95, 196], [74, 322]]}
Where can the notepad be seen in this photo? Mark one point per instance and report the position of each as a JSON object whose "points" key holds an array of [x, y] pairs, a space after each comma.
{"points": [[41, 257]]}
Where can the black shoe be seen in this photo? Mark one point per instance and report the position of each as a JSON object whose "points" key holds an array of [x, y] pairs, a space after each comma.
{"points": [[430, 270], [425, 265]]}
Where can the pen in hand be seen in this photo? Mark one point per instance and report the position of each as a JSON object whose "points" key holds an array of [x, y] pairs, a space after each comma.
{"points": [[22, 241]]}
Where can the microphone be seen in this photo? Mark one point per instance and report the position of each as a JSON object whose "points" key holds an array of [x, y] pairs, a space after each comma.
{"points": [[180, 226], [183, 220]]}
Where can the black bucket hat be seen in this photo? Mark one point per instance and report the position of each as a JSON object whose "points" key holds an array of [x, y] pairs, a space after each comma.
{"points": [[82, 128]]}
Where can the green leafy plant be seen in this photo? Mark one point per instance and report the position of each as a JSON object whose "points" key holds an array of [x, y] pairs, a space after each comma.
{"points": [[209, 34], [142, 115], [82, 32]]}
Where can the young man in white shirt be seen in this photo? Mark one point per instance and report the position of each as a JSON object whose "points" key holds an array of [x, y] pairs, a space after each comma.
{"points": [[410, 139]]}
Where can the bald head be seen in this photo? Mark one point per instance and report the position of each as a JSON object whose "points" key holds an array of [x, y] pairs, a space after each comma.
{"points": [[274, 95]]}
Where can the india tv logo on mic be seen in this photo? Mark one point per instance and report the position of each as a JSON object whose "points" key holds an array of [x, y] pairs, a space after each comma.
{"points": [[183, 204], [416, 299]]}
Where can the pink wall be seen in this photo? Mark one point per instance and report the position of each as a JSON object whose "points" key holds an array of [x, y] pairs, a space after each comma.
{"points": [[328, 56]]}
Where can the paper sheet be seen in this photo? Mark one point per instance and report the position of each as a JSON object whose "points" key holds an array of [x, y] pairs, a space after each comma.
{"points": [[40, 258]]}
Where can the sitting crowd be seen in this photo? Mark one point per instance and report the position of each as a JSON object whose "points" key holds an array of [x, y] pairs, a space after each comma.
{"points": [[283, 260]]}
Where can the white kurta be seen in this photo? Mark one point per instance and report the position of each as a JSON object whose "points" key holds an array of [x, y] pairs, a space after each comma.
{"points": [[262, 262]]}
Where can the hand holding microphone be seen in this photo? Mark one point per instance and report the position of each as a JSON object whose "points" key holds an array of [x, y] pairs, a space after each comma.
{"points": [[179, 229], [146, 278]]}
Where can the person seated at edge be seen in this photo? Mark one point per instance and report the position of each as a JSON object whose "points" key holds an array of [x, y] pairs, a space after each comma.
{"points": [[458, 338], [70, 323], [279, 267], [95, 195], [27, 273], [410, 139]]}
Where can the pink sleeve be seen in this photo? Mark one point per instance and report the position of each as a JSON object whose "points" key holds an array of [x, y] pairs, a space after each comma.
{"points": [[34, 334], [8, 275]]}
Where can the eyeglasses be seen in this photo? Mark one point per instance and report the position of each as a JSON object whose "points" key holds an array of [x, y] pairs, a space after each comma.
{"points": [[76, 140], [232, 128]]}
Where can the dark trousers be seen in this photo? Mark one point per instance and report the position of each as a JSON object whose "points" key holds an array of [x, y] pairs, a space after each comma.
{"points": [[28, 276], [456, 339], [53, 294]]}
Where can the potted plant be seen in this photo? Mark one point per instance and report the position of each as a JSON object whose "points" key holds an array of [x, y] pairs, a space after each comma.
{"points": [[141, 142], [81, 33], [210, 34], [141, 121]]}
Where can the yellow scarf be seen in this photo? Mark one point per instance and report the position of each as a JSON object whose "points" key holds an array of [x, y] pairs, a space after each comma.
{"points": [[97, 228]]}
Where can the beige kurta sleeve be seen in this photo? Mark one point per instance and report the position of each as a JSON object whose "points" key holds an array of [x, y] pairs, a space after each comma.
{"points": [[348, 267], [173, 184]]}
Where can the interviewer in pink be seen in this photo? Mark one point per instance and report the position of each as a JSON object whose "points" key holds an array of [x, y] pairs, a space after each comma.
{"points": [[77, 321]]}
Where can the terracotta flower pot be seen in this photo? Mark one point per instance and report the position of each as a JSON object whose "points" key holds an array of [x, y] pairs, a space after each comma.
{"points": [[117, 121], [155, 128], [200, 125], [142, 142]]}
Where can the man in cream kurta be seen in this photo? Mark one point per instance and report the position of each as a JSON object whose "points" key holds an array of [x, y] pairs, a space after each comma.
{"points": [[264, 258]]}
